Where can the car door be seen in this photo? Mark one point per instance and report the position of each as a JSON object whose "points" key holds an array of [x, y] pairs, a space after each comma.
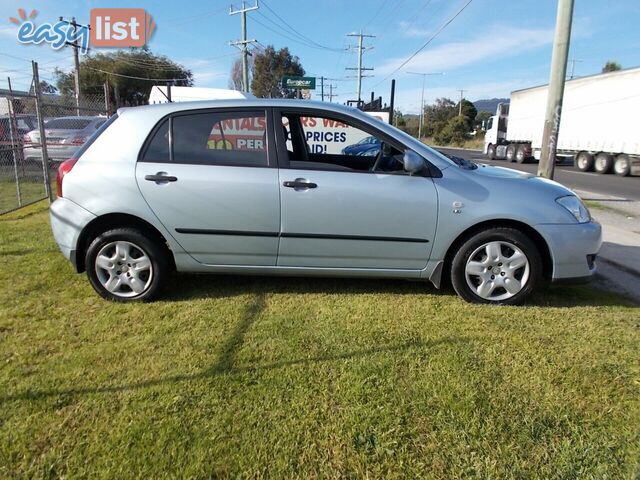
{"points": [[214, 186], [335, 212]]}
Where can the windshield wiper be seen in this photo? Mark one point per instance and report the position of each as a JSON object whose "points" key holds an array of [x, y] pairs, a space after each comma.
{"points": [[461, 162]]}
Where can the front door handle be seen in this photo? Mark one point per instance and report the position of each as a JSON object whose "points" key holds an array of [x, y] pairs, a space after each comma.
{"points": [[299, 184], [161, 177]]}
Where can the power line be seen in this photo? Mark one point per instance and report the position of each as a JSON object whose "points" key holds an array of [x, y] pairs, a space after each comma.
{"points": [[296, 32], [283, 32], [375, 15], [134, 77], [444, 25]]}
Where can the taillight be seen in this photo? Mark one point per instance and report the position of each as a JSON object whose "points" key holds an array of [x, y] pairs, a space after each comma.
{"points": [[64, 168], [78, 140], [26, 138]]}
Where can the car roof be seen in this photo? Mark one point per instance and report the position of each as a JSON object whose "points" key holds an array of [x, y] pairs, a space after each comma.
{"points": [[162, 109]]}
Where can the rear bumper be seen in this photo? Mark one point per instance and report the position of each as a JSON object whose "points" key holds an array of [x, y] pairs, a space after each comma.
{"points": [[68, 219], [573, 249], [54, 152]]}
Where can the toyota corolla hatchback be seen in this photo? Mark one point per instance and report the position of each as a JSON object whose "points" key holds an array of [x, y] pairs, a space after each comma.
{"points": [[263, 187]]}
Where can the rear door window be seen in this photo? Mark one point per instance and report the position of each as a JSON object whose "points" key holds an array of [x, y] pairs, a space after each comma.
{"points": [[221, 138]]}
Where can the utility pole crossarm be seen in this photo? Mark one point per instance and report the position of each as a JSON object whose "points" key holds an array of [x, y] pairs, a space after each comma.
{"points": [[76, 58], [361, 49], [244, 43]]}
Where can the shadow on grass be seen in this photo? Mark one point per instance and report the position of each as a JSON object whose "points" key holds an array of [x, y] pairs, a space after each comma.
{"points": [[225, 363], [198, 286]]}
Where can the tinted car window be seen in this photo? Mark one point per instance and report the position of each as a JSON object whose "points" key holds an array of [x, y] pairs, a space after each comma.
{"points": [[221, 138], [158, 148]]}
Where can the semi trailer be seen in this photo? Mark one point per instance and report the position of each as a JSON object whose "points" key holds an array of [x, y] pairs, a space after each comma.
{"points": [[599, 125]]}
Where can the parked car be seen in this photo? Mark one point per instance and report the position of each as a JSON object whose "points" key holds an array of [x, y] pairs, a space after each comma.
{"points": [[362, 146], [23, 124], [64, 136], [372, 151], [222, 187]]}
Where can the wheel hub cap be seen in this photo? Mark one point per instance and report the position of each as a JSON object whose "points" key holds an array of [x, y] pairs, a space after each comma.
{"points": [[497, 270], [124, 269]]}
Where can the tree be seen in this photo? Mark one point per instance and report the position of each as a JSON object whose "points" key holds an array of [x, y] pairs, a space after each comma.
{"points": [[269, 66], [455, 131], [611, 66], [469, 111], [130, 74], [437, 115], [235, 79]]}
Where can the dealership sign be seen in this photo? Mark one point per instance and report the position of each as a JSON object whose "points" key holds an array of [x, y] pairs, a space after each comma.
{"points": [[111, 27], [300, 83]]}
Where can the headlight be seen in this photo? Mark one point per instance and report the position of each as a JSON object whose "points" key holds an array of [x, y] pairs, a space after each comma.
{"points": [[575, 207]]}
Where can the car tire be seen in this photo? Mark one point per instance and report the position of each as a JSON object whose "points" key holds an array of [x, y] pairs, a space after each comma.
{"points": [[510, 155], [491, 152], [584, 161], [506, 277], [125, 265], [622, 165], [603, 163]]}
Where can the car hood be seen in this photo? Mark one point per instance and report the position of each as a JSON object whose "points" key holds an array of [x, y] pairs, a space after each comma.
{"points": [[491, 174]]}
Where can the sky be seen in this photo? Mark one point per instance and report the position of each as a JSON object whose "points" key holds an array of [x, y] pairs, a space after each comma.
{"points": [[488, 50]]}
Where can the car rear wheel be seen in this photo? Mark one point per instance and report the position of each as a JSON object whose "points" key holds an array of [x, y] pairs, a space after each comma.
{"points": [[497, 266], [125, 265]]}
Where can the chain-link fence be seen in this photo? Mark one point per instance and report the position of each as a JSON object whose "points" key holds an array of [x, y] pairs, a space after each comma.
{"points": [[27, 164]]}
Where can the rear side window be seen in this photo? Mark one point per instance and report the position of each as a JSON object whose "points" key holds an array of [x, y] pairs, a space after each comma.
{"points": [[221, 138], [158, 148]]}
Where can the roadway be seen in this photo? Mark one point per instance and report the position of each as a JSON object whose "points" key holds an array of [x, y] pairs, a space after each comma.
{"points": [[611, 184]]}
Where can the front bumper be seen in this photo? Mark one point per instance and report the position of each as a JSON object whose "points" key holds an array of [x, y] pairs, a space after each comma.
{"points": [[68, 219], [573, 249]]}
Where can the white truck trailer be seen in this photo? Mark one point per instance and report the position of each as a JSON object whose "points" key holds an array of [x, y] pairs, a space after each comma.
{"points": [[599, 125]]}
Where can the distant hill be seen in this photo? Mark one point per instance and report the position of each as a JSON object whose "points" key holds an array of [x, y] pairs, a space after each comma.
{"points": [[489, 105]]}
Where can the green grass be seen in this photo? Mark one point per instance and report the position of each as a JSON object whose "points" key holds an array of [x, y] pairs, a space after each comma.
{"points": [[30, 191], [280, 378], [471, 143]]}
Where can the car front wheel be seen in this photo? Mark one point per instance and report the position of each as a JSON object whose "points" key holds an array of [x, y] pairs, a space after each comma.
{"points": [[125, 265], [498, 265]]}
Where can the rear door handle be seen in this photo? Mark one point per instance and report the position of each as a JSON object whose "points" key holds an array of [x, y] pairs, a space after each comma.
{"points": [[299, 183], [161, 177]]}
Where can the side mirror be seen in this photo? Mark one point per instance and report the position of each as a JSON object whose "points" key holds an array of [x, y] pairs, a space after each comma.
{"points": [[413, 163]]}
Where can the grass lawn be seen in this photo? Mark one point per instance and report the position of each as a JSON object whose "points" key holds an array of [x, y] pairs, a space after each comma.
{"points": [[280, 378], [30, 191]]}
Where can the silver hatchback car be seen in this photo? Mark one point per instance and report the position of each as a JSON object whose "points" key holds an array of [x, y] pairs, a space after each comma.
{"points": [[263, 187]]}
